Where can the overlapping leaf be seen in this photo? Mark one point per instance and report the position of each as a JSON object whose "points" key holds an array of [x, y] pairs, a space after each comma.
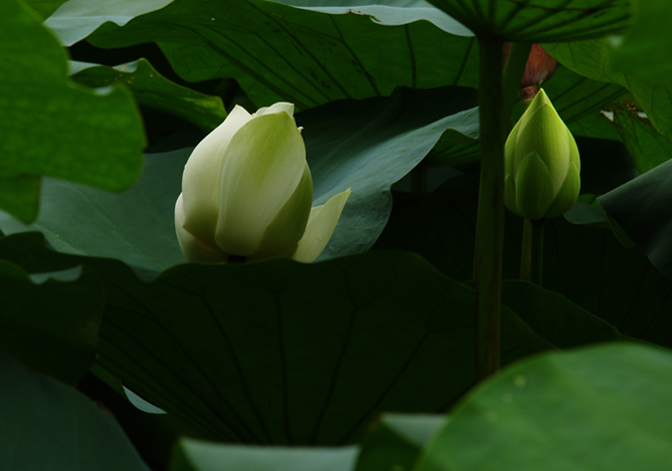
{"points": [[282, 53], [76, 19], [152, 90], [590, 59], [642, 208], [587, 265], [52, 127], [52, 326], [577, 99]]}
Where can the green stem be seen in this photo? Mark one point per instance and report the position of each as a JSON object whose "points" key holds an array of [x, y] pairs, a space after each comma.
{"points": [[419, 178], [490, 219], [532, 255], [513, 71]]}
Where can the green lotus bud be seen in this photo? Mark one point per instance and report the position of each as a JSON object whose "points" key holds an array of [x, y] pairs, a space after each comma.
{"points": [[247, 192], [542, 163]]}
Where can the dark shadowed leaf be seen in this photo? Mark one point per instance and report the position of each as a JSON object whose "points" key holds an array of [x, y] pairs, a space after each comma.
{"points": [[48, 425], [51, 326], [642, 208], [587, 265], [539, 20], [280, 352]]}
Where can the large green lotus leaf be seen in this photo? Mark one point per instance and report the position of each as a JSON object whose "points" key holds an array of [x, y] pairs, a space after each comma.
{"points": [[587, 265], [280, 352], [646, 49], [152, 90], [282, 53], [539, 20], [396, 440], [136, 226], [197, 455], [52, 127], [48, 425], [387, 12], [52, 325], [576, 98], [642, 208], [591, 59], [44, 8], [76, 19], [598, 409], [363, 145]]}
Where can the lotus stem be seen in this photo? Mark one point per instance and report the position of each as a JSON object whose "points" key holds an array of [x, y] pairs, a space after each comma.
{"points": [[532, 255], [513, 71], [490, 218]]}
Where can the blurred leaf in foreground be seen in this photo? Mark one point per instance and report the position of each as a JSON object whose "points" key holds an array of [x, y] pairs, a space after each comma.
{"points": [[52, 127]]}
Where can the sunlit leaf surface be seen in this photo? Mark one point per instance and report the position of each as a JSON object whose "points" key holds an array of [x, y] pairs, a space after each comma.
{"points": [[602, 408]]}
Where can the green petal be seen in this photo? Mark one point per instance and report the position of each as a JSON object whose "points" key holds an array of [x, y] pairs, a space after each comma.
{"points": [[263, 165], [574, 157], [193, 250], [510, 147], [510, 195], [200, 180], [534, 190], [289, 225], [321, 224], [546, 134], [567, 195]]}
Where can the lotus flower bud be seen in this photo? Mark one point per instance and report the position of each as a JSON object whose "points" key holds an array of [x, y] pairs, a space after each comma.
{"points": [[542, 163], [247, 193]]}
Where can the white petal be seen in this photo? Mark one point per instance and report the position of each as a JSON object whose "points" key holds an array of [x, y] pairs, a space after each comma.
{"points": [[200, 180], [321, 225], [263, 166], [193, 250], [283, 234], [276, 108]]}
